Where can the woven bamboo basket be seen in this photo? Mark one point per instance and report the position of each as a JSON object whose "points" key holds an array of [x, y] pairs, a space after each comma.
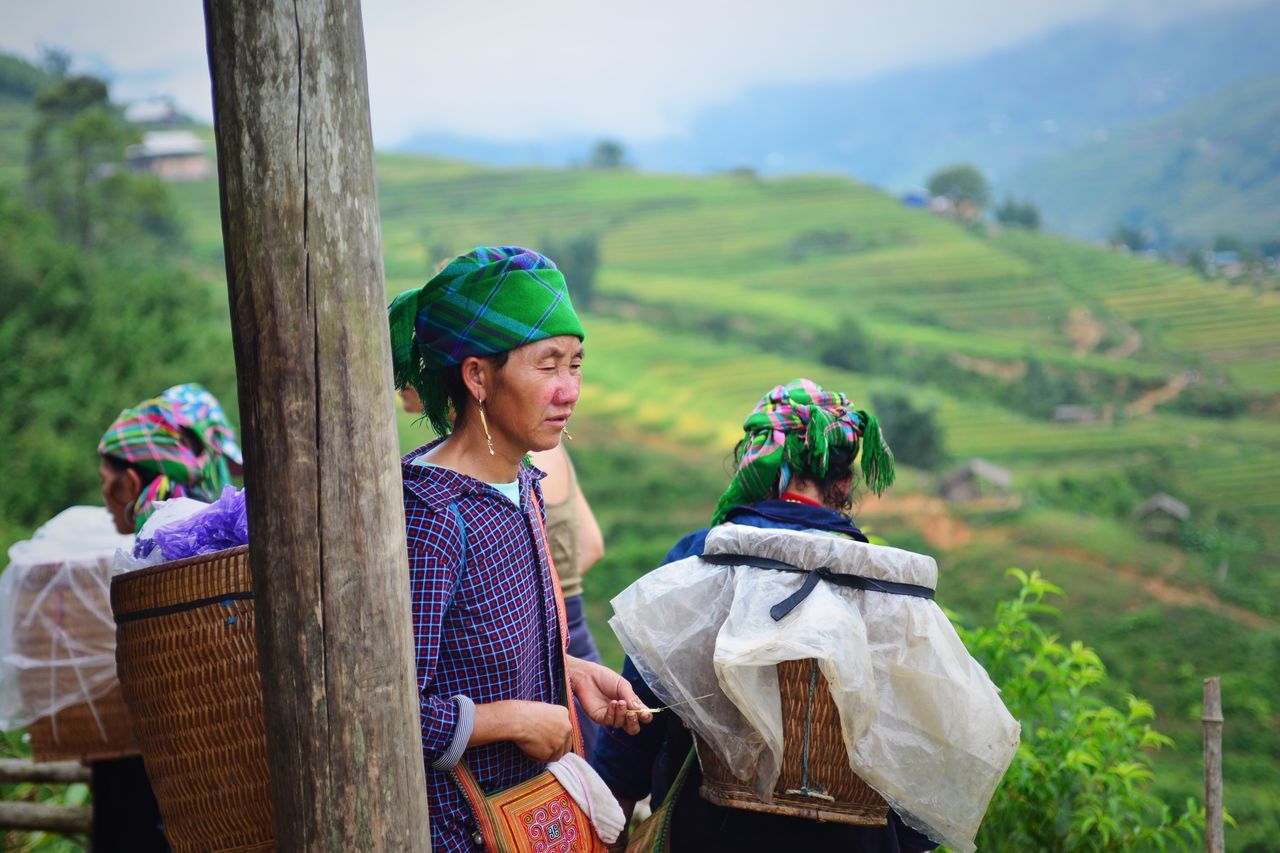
{"points": [[71, 599], [816, 781], [188, 667], [91, 731]]}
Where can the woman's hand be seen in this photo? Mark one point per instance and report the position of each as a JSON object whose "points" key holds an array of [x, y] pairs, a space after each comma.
{"points": [[541, 731], [544, 733], [606, 696]]}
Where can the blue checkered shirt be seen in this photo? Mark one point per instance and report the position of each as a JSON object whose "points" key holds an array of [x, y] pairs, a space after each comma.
{"points": [[485, 627]]}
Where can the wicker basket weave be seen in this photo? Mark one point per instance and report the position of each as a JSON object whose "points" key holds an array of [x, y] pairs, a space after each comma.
{"points": [[71, 598], [97, 731], [824, 787], [188, 667]]}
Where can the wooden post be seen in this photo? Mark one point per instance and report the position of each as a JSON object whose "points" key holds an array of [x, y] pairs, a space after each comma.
{"points": [[300, 229], [1212, 719]]}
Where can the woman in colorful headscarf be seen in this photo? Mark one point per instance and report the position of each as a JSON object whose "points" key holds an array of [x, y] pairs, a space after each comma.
{"points": [[176, 445], [493, 348], [795, 471]]}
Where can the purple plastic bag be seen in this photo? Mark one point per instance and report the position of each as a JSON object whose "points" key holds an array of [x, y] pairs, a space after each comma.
{"points": [[225, 524]]}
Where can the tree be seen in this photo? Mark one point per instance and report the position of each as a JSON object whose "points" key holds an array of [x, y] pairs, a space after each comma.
{"points": [[82, 336], [1081, 779], [846, 347], [76, 171], [607, 154], [963, 184], [1132, 238], [1228, 243], [1018, 215], [912, 431]]}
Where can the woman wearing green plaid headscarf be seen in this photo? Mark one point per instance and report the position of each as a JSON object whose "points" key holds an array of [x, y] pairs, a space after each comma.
{"points": [[494, 349], [179, 444]]}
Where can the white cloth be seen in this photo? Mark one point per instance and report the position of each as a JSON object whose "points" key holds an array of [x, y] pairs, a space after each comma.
{"points": [[591, 794], [922, 722], [57, 635]]}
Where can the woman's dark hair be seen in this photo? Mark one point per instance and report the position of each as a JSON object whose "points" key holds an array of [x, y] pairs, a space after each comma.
{"points": [[457, 389], [837, 486]]}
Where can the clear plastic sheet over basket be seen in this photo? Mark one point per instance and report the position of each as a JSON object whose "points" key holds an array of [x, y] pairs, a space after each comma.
{"points": [[922, 722], [57, 635]]}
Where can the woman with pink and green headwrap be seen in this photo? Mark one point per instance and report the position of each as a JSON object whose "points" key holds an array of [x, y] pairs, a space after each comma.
{"points": [[795, 471], [176, 445]]}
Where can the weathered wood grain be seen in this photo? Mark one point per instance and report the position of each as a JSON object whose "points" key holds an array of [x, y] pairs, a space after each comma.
{"points": [[15, 770], [304, 268], [1212, 719], [30, 817]]}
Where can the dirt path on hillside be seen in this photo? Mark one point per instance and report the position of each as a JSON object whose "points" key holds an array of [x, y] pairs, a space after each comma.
{"points": [[1147, 401], [1132, 343], [1083, 330], [929, 515], [1177, 596], [940, 528]]}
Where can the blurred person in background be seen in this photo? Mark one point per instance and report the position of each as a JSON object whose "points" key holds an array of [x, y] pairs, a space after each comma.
{"points": [[576, 545], [179, 444]]}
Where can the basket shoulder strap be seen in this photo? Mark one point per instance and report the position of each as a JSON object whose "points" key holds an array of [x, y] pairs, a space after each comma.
{"points": [[462, 558]]}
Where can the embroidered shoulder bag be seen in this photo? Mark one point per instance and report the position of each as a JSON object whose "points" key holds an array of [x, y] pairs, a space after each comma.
{"points": [[537, 815]]}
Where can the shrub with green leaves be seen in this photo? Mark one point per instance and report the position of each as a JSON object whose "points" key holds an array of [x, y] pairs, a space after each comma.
{"points": [[1081, 780]]}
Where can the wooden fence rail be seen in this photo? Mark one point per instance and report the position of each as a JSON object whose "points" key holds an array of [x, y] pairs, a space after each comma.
{"points": [[33, 817]]}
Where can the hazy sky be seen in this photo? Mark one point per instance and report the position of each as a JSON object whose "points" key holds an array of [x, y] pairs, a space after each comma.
{"points": [[516, 70]]}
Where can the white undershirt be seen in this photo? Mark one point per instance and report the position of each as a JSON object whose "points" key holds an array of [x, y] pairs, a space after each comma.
{"points": [[510, 491]]}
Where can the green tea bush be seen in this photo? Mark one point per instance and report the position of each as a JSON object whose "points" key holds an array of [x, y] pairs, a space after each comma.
{"points": [[1081, 780]]}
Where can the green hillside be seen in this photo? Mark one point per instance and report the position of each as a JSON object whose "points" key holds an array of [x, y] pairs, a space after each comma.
{"points": [[1209, 168], [710, 290]]}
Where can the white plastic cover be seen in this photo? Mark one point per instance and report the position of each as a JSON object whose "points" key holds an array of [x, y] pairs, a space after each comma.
{"points": [[57, 635], [922, 722]]}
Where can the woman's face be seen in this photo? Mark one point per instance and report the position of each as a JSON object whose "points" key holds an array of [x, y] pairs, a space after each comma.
{"points": [[534, 393], [120, 488]]}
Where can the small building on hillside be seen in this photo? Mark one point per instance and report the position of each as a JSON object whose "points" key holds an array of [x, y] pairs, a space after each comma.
{"points": [[975, 479], [1163, 516], [172, 155], [153, 112], [1073, 413]]}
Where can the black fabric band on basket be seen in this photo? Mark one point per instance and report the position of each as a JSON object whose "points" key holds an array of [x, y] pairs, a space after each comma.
{"points": [[170, 609], [780, 610]]}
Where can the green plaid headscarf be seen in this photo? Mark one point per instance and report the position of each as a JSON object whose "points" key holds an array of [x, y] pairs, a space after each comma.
{"points": [[490, 300], [153, 436], [792, 430]]}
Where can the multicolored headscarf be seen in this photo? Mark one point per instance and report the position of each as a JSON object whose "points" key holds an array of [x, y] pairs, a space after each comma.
{"points": [[490, 300], [155, 436], [793, 430]]}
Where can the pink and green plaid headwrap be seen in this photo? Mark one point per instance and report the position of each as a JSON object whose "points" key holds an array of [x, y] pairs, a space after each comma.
{"points": [[793, 429], [151, 435]]}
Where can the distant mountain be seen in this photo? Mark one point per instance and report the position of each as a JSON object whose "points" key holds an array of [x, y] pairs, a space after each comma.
{"points": [[1209, 168], [998, 112], [1001, 111], [559, 151]]}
